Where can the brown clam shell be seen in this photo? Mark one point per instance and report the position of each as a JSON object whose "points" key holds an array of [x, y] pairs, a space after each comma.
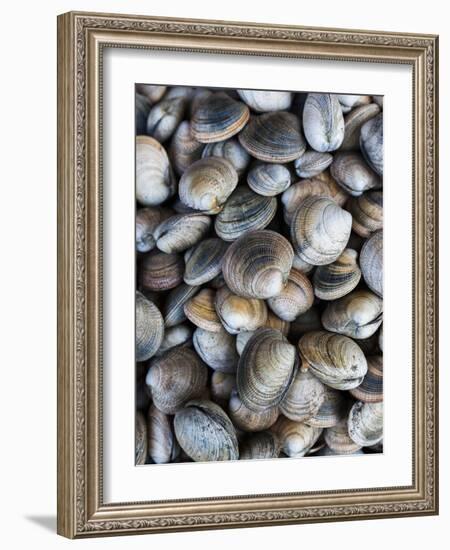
{"points": [[201, 311], [160, 271]]}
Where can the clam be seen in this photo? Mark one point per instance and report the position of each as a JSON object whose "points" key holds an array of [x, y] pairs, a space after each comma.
{"points": [[349, 101], [184, 148], [244, 211], [320, 230], [353, 174], [175, 336], [204, 262], [337, 279], [142, 108], [380, 338], [207, 184], [266, 369], [198, 96], [333, 409], [164, 117], [335, 359], [306, 322], [161, 271], [358, 314], [312, 163], [248, 420], [353, 123], [200, 310], [217, 117], [176, 377], [269, 179], [222, 385], [301, 265], [140, 439], [338, 440], [296, 438], [147, 220], [304, 396], [367, 213], [151, 92], [205, 432], [323, 122], [149, 328], [371, 388], [259, 446], [162, 445], [239, 314], [217, 349], [365, 423], [174, 305], [231, 150], [295, 298], [272, 322], [181, 231], [257, 265], [371, 141], [154, 179], [371, 262], [273, 137], [264, 101]]}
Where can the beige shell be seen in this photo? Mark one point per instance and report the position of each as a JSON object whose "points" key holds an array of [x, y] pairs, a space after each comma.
{"points": [[222, 384], [154, 179], [371, 262], [175, 336], [371, 388], [353, 123], [357, 315], [231, 150], [334, 408], [147, 220], [323, 122], [320, 230], [181, 231], [162, 445], [204, 262], [164, 117], [269, 179], [184, 148], [217, 349], [151, 92], [239, 314], [248, 420], [353, 174], [312, 163], [367, 213], [338, 440], [173, 310], [257, 265], [160, 271], [176, 377], [296, 438], [335, 280], [266, 369], [365, 423], [140, 439], [207, 184], [335, 359], [296, 297], [205, 432], [304, 396], [264, 100], [201, 311], [149, 328], [261, 445]]}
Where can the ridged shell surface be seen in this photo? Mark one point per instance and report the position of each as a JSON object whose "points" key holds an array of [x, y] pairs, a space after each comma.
{"points": [[353, 174], [239, 314], [365, 423], [184, 148], [269, 179], [162, 445], [371, 140], [201, 311], [333, 409], [181, 231], [231, 150], [147, 221], [323, 122], [161, 271], [312, 163], [367, 213], [371, 262], [248, 420], [154, 178], [260, 446], [304, 396], [353, 123], [174, 305], [164, 117], [149, 328], [175, 336], [217, 349], [205, 261], [296, 438], [337, 279], [295, 298], [371, 388], [264, 101], [338, 440]]}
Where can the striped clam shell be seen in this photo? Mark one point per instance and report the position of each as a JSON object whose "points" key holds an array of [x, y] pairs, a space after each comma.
{"points": [[367, 213], [365, 423], [204, 261], [269, 179], [264, 101], [323, 122], [353, 174], [272, 322], [371, 388], [249, 420], [273, 137], [147, 221], [353, 123], [333, 409], [295, 298], [338, 440], [164, 117], [200, 310], [296, 438], [371, 141], [244, 211], [304, 396], [162, 445], [239, 314], [217, 349], [231, 150], [140, 439], [161, 271], [174, 305], [262, 445], [312, 163], [337, 279], [371, 262], [184, 148], [180, 232]]}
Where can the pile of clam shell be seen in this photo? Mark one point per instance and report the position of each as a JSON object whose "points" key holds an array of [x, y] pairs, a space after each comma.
{"points": [[259, 274]]}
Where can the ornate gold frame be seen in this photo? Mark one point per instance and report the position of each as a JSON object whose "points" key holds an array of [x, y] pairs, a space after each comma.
{"points": [[81, 37]]}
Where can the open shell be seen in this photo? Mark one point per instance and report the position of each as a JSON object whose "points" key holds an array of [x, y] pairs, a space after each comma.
{"points": [[295, 298], [259, 446], [365, 423], [371, 262], [367, 213], [204, 261], [162, 445], [264, 101], [149, 328], [335, 280], [161, 271], [323, 122], [239, 314], [180, 232], [371, 140], [200, 310], [269, 179], [296, 438], [371, 388], [248, 420], [353, 174], [217, 349], [304, 396]]}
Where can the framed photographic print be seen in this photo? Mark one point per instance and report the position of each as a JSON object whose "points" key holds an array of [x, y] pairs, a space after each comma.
{"points": [[247, 284]]}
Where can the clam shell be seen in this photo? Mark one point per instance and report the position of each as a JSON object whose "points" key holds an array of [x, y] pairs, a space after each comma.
{"points": [[295, 298], [380, 338], [335, 359], [272, 322], [323, 122], [367, 213], [140, 439], [266, 369], [365, 423], [207, 184], [151, 92], [269, 179], [175, 336], [149, 328], [142, 108], [320, 230], [164, 117], [231, 150], [335, 280], [338, 440], [161, 271], [371, 262], [205, 432], [304, 396], [181, 231], [248, 420], [306, 322], [257, 265], [204, 261], [162, 445], [244, 211], [174, 306], [147, 220], [217, 349], [296, 438], [218, 117], [334, 409], [154, 178], [264, 101], [273, 137], [353, 122], [259, 446], [312, 163], [301, 265], [222, 384], [184, 148], [357, 315], [239, 314], [350, 101], [176, 377], [200, 310], [371, 141], [371, 388], [353, 174]]}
